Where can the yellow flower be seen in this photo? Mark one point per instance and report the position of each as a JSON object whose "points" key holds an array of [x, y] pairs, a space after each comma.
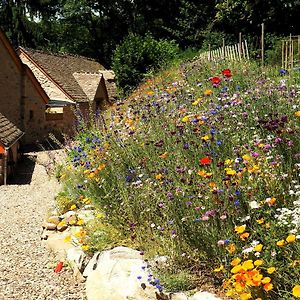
{"points": [[61, 223], [67, 239], [228, 162], [230, 171], [280, 243], [239, 287], [296, 291], [185, 119], [85, 247], [80, 222], [258, 248], [257, 277], [235, 262], [229, 293], [92, 175], [158, 176], [205, 138], [100, 216], [196, 102], [221, 268], [247, 265], [240, 229], [246, 157], [236, 269], [260, 221], [258, 262], [291, 238], [73, 207], [297, 113], [266, 280], [271, 270], [208, 92], [245, 296]]}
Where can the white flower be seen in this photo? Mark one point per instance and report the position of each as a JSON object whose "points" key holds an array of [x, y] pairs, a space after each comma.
{"points": [[254, 205]]}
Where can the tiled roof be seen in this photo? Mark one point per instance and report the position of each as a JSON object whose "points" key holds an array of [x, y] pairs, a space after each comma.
{"points": [[9, 133], [61, 67]]}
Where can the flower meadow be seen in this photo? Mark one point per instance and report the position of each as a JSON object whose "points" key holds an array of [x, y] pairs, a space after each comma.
{"points": [[201, 165]]}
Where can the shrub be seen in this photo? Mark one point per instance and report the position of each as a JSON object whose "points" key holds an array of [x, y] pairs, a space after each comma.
{"points": [[138, 55]]}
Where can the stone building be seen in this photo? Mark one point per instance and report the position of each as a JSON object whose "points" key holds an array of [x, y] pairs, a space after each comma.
{"points": [[39, 92], [22, 99], [67, 80]]}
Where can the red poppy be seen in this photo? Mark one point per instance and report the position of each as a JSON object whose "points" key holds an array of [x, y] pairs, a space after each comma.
{"points": [[59, 266], [215, 80], [205, 161], [227, 73]]}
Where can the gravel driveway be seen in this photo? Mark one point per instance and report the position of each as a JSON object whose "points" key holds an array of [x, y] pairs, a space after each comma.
{"points": [[24, 263]]}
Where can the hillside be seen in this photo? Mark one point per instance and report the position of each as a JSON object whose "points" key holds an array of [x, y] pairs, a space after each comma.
{"points": [[201, 165]]}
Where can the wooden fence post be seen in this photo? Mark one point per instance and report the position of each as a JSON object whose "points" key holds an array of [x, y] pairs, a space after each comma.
{"points": [[247, 51], [262, 44]]}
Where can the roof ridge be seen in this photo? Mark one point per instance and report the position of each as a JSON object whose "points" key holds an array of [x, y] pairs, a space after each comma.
{"points": [[64, 54]]}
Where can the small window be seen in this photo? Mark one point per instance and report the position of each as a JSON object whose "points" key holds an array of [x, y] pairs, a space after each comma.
{"points": [[31, 115]]}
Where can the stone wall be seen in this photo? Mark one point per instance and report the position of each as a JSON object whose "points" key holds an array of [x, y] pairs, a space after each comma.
{"points": [[10, 86], [34, 116]]}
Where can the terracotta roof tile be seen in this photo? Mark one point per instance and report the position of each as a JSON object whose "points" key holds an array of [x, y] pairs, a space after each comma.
{"points": [[9, 133]]}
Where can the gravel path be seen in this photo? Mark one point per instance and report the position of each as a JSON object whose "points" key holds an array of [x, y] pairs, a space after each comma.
{"points": [[24, 263]]}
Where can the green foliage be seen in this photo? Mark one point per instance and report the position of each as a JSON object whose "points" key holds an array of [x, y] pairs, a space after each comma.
{"points": [[174, 280], [137, 56], [215, 40]]}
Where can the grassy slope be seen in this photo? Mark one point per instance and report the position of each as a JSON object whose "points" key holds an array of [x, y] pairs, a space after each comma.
{"points": [[197, 172]]}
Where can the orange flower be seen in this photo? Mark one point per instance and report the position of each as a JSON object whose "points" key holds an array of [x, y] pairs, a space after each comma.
{"points": [[296, 291], [268, 287], [208, 92], [164, 155], [244, 236]]}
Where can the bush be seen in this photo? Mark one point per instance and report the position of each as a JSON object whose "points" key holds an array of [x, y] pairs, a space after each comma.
{"points": [[138, 55]]}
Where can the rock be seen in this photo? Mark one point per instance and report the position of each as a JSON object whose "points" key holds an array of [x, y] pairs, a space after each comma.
{"points": [[48, 226], [118, 274], [53, 219], [56, 244], [68, 214], [71, 220], [62, 227], [86, 215], [178, 296], [116, 253], [76, 257], [77, 275], [204, 296]]}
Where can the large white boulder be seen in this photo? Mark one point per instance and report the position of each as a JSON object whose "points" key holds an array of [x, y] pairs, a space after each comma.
{"points": [[118, 274]]}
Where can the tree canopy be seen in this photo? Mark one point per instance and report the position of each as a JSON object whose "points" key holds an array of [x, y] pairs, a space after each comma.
{"points": [[95, 28]]}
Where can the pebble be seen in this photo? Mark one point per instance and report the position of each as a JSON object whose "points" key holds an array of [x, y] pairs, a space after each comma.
{"points": [[24, 274]]}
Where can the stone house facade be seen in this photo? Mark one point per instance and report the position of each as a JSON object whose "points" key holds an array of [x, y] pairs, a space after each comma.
{"points": [[22, 99]]}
